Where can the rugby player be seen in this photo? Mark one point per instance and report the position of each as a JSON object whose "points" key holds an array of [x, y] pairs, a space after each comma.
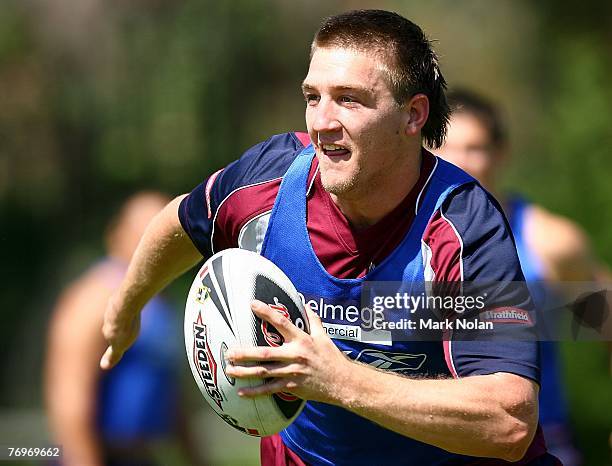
{"points": [[551, 248], [358, 198]]}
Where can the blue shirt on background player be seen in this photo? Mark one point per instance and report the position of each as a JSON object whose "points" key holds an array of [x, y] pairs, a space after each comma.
{"points": [[554, 408]]}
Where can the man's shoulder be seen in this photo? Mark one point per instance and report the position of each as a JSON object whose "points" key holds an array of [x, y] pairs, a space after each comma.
{"points": [[94, 285], [561, 244], [463, 207], [469, 237], [265, 161], [236, 197], [471, 207], [568, 236], [215, 213]]}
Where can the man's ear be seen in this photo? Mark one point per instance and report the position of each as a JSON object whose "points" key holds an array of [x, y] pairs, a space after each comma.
{"points": [[417, 111]]}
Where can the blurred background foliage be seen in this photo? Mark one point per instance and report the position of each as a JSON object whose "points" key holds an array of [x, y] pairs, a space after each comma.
{"points": [[101, 98]]}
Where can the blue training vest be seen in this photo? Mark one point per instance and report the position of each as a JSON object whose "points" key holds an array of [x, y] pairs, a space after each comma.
{"points": [[324, 434], [138, 399]]}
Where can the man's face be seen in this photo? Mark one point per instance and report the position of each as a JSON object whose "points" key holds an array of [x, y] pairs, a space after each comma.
{"points": [[353, 120], [469, 147]]}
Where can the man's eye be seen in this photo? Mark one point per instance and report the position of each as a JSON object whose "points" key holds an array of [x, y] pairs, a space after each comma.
{"points": [[311, 98], [346, 99]]}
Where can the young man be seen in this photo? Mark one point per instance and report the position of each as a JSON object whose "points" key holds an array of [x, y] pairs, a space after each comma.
{"points": [[551, 248], [355, 199]]}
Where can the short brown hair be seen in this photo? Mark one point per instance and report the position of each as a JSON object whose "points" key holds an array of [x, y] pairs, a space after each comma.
{"points": [[413, 64], [464, 101]]}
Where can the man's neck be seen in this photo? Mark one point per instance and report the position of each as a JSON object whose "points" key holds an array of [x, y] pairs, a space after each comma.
{"points": [[372, 203]]}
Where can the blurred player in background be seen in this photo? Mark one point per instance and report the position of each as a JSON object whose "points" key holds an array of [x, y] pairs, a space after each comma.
{"points": [[116, 417], [550, 247]]}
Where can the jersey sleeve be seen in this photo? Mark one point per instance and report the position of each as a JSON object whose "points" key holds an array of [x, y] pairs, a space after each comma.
{"points": [[195, 219], [485, 258], [205, 213]]}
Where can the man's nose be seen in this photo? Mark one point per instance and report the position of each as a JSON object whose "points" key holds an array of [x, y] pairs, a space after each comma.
{"points": [[325, 118]]}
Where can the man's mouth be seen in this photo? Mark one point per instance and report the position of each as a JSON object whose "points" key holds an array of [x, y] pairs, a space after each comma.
{"points": [[334, 150]]}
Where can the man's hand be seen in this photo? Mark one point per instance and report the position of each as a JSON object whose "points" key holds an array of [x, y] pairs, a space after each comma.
{"points": [[308, 366], [453, 414], [120, 330]]}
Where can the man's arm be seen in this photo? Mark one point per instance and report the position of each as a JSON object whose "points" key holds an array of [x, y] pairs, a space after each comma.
{"points": [[72, 374], [566, 253], [563, 247], [164, 252], [488, 415]]}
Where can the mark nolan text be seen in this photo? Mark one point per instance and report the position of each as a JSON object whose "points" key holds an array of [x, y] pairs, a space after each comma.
{"points": [[433, 324], [456, 324]]}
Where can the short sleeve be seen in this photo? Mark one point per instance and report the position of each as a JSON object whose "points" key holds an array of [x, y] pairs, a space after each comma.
{"points": [[196, 220], [489, 259]]}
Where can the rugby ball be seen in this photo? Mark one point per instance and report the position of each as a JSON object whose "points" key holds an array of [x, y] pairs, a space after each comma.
{"points": [[218, 316]]}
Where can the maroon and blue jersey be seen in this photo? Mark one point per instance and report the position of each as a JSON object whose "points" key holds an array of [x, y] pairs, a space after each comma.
{"points": [[447, 229]]}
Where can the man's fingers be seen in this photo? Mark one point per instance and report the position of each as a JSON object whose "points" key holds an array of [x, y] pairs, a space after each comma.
{"points": [[316, 326], [110, 358], [259, 353], [274, 369], [278, 320], [120, 329], [274, 386]]}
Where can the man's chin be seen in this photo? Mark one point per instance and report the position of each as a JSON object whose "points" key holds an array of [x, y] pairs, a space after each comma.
{"points": [[338, 187]]}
